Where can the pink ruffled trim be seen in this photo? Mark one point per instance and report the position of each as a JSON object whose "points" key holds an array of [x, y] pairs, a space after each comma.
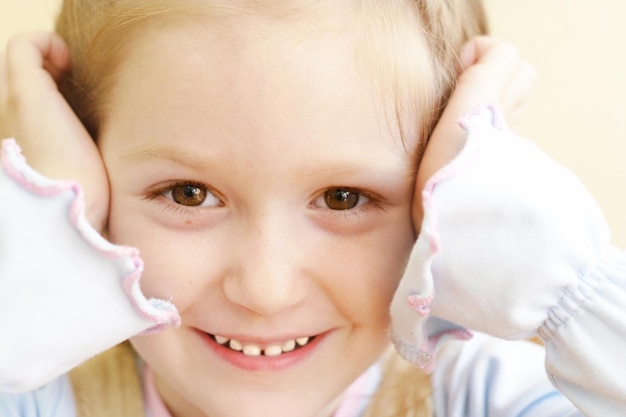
{"points": [[454, 167], [423, 356], [161, 313]]}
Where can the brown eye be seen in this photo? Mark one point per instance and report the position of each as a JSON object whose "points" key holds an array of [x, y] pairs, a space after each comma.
{"points": [[341, 199], [188, 195]]}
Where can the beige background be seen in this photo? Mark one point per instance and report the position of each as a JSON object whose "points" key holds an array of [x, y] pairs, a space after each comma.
{"points": [[576, 113]]}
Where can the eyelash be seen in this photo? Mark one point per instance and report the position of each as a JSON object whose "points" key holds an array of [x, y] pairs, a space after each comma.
{"points": [[374, 201], [159, 194]]}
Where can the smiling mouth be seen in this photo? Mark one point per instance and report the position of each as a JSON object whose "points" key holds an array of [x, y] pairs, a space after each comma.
{"points": [[271, 350]]}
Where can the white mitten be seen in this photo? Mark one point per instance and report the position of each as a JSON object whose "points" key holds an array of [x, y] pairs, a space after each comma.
{"points": [[66, 293], [507, 235]]}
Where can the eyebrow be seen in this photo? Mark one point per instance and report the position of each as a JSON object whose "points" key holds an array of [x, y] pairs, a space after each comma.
{"points": [[171, 153], [355, 168], [195, 161]]}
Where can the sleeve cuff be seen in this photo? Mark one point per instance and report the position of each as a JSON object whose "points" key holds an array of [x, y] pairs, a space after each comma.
{"points": [[66, 293]]}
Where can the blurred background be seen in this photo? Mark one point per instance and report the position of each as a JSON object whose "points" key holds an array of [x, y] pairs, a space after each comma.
{"points": [[577, 112]]}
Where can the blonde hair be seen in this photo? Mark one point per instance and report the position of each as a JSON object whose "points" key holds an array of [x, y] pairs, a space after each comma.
{"points": [[404, 390], [408, 49]]}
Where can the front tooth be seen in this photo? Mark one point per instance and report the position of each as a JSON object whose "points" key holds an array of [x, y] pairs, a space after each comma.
{"points": [[251, 350], [289, 345], [235, 345], [273, 350], [221, 339], [301, 341]]}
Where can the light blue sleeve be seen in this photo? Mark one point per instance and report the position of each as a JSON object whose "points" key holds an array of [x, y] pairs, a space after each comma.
{"points": [[585, 340], [489, 377], [66, 325], [52, 400], [530, 254]]}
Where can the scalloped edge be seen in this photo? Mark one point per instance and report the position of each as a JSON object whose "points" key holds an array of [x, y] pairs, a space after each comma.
{"points": [[424, 356], [160, 312]]}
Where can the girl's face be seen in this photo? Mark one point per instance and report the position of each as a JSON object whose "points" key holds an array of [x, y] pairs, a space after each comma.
{"points": [[270, 198]]}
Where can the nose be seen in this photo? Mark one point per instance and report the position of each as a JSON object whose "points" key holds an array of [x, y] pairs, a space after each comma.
{"points": [[269, 277]]}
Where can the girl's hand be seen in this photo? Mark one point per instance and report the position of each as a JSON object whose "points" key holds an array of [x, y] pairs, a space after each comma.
{"points": [[510, 242], [493, 71], [33, 111]]}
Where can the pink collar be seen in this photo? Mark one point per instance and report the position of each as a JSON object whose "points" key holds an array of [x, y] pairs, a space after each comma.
{"points": [[354, 402]]}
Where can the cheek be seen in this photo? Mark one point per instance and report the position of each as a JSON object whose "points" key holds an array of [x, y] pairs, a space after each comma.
{"points": [[174, 262], [365, 272], [356, 274]]}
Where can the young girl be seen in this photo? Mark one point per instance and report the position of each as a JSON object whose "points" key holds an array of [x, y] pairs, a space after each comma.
{"points": [[262, 158]]}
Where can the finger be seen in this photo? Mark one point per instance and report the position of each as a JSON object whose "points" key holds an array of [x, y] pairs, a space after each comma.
{"points": [[36, 57], [43, 47], [487, 50], [35, 62], [515, 88], [492, 65], [516, 100], [493, 71], [498, 74]]}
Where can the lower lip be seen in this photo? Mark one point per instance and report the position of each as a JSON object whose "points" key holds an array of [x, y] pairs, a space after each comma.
{"points": [[262, 363]]}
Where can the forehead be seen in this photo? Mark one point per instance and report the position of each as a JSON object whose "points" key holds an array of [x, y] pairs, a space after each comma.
{"points": [[381, 46], [273, 108], [262, 76]]}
